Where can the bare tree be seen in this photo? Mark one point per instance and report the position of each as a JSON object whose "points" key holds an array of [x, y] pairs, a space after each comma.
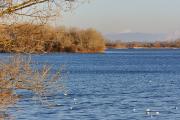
{"points": [[35, 9]]}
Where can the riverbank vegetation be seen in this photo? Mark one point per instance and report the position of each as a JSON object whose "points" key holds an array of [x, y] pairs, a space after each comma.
{"points": [[156, 44], [33, 38]]}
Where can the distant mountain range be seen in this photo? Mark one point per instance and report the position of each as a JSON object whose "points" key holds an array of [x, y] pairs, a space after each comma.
{"points": [[137, 36]]}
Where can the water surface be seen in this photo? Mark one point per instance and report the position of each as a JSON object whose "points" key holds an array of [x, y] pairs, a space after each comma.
{"points": [[116, 85]]}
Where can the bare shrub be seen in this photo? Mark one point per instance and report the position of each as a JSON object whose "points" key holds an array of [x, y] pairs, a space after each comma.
{"points": [[18, 73]]}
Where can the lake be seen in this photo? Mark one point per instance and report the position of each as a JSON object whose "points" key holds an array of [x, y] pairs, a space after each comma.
{"points": [[126, 84]]}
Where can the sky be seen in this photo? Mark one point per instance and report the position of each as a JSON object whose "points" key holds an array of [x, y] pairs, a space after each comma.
{"points": [[118, 16]]}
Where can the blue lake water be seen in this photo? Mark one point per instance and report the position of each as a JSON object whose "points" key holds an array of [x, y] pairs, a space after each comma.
{"points": [[116, 85]]}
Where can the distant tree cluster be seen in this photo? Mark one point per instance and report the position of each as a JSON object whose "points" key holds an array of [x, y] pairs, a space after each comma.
{"points": [[157, 44], [31, 38]]}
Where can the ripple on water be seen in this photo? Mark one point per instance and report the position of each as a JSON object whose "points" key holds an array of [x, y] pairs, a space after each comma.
{"points": [[111, 87]]}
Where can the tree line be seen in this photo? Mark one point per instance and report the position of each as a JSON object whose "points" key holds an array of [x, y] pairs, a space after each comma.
{"points": [[156, 44], [34, 38]]}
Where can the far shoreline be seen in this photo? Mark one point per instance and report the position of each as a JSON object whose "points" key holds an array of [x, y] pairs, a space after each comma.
{"points": [[98, 52], [144, 48]]}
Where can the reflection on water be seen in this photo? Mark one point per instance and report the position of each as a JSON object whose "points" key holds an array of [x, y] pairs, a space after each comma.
{"points": [[4, 116], [7, 99]]}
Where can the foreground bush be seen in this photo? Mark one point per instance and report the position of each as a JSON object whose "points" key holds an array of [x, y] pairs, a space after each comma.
{"points": [[28, 38], [17, 73]]}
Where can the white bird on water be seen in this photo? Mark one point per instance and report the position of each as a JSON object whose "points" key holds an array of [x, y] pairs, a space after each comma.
{"points": [[150, 112], [65, 94]]}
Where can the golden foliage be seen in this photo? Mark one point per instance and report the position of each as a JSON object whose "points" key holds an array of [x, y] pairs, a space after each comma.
{"points": [[28, 38]]}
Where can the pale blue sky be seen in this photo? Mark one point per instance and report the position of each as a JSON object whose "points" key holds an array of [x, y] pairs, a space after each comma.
{"points": [[149, 16]]}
